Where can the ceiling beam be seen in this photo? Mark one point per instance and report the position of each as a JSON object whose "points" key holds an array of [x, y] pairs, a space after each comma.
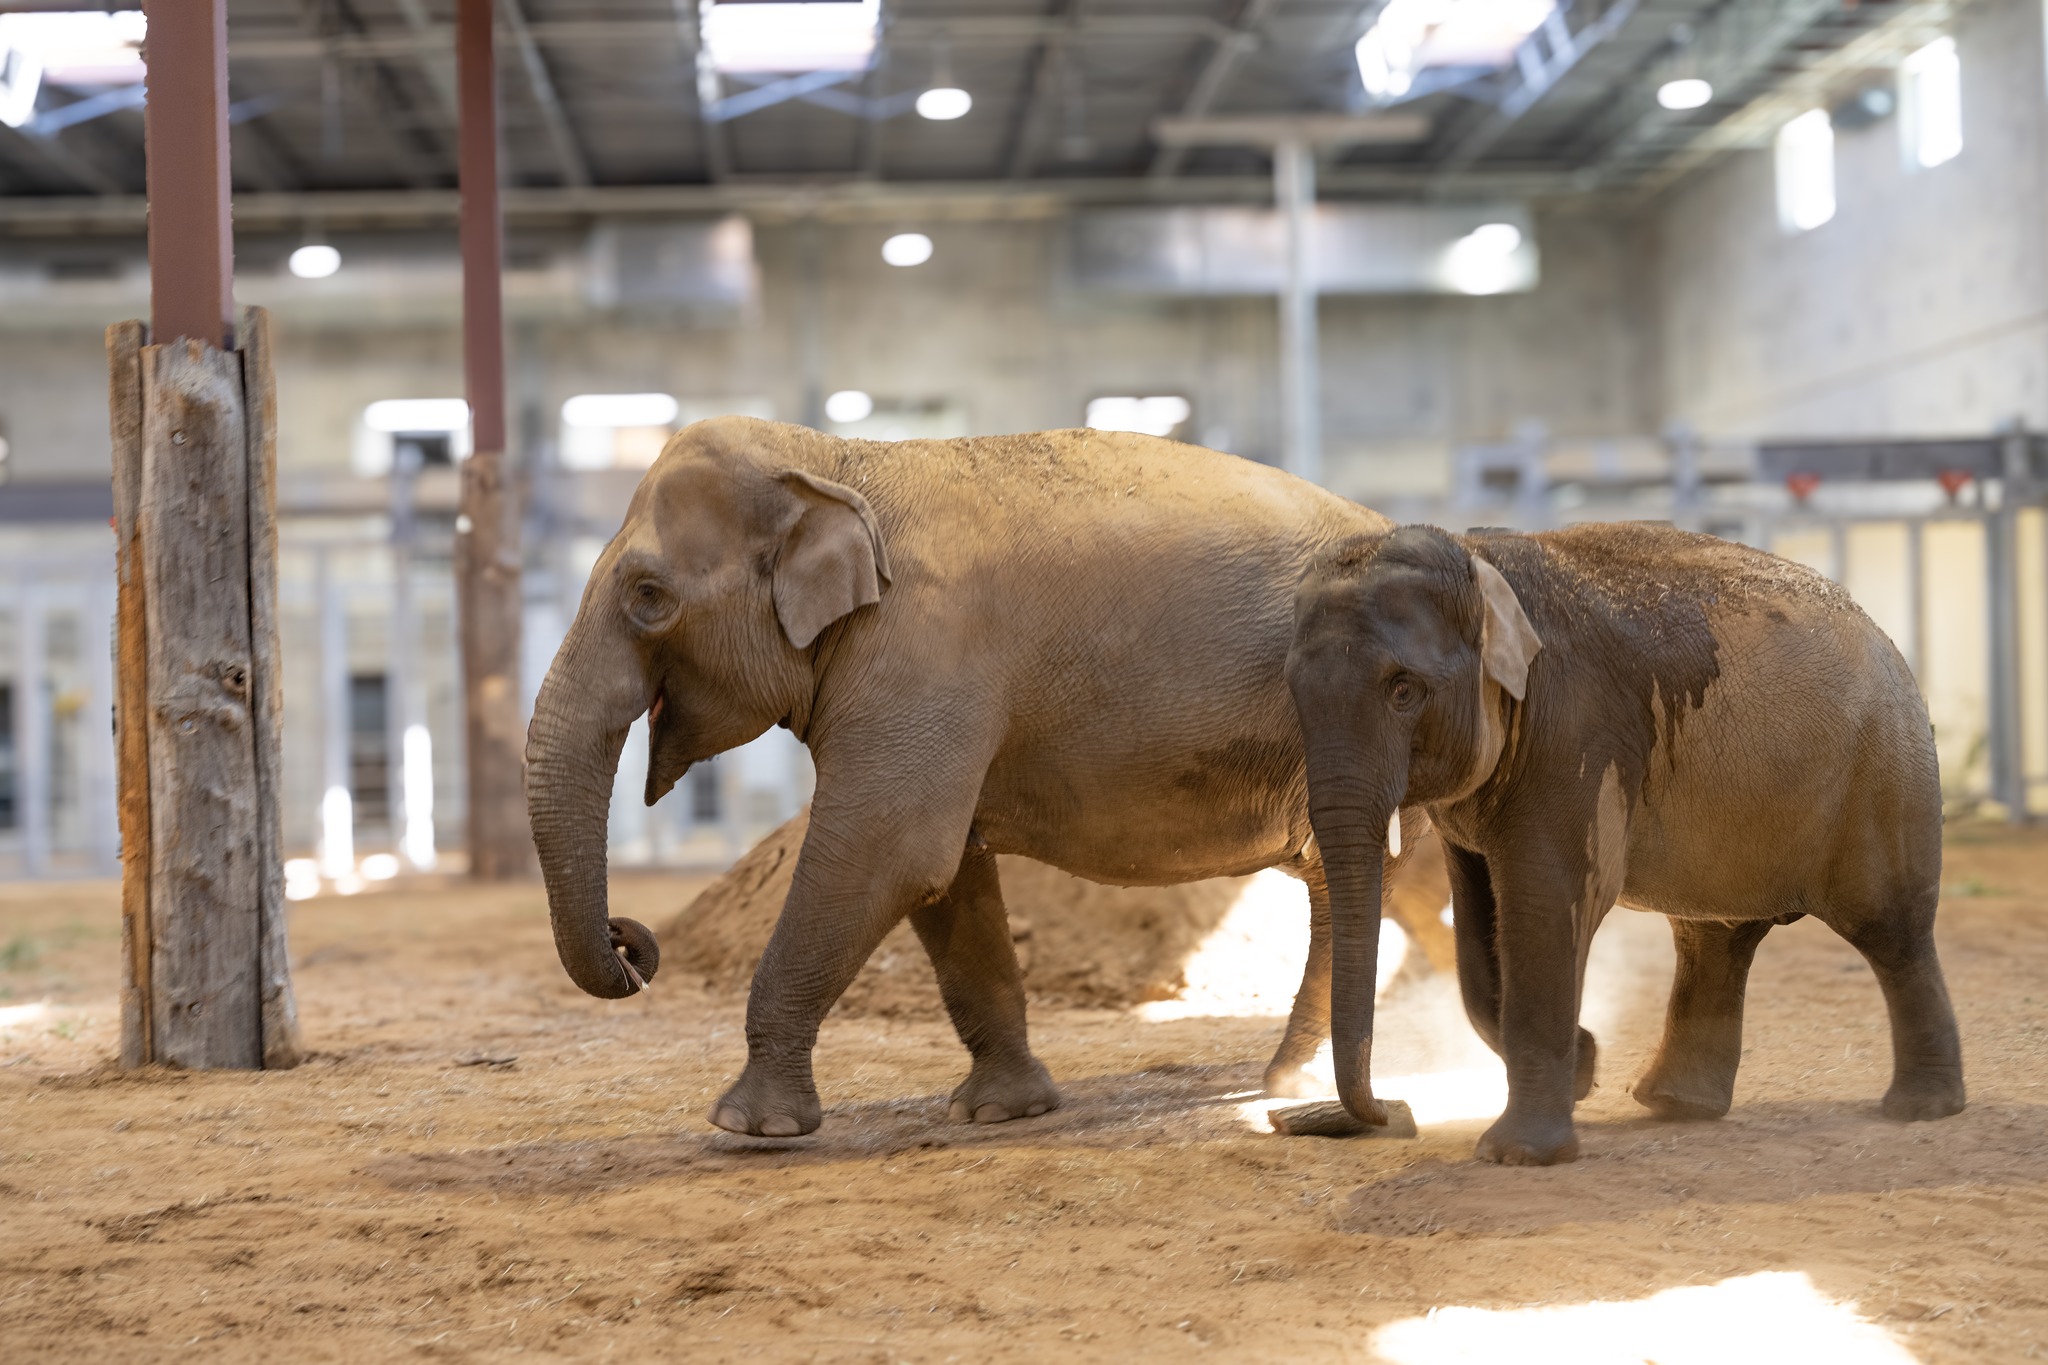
{"points": [[1733, 51], [844, 197], [1270, 130], [51, 154], [711, 134], [561, 135], [1046, 63], [1229, 47], [965, 31]]}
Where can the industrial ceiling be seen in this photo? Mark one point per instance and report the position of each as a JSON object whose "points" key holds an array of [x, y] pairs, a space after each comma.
{"points": [[345, 107]]}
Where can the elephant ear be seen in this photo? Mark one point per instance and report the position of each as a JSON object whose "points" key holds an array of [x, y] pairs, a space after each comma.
{"points": [[1507, 642], [832, 561]]}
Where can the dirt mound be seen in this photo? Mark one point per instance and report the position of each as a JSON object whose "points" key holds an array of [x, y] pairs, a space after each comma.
{"points": [[1080, 943]]}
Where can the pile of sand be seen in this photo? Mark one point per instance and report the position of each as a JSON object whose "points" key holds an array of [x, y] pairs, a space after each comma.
{"points": [[1080, 943]]}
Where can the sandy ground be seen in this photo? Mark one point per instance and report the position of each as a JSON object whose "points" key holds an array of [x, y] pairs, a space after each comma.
{"points": [[479, 1162]]}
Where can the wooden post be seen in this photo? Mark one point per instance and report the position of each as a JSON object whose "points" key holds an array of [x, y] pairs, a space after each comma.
{"points": [[206, 976], [206, 980], [487, 537]]}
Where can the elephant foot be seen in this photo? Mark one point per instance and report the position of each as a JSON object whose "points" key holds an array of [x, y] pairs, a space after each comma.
{"points": [[995, 1092], [1515, 1141], [1910, 1102], [1670, 1096], [760, 1107], [1294, 1081]]}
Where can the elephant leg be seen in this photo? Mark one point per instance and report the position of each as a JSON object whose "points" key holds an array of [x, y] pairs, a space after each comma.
{"points": [[1549, 895], [865, 864], [1308, 1023], [1693, 1075], [967, 936], [1473, 925], [1927, 1054]]}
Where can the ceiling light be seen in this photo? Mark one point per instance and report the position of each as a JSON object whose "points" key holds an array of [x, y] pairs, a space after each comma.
{"points": [[315, 261], [79, 47], [849, 405], [907, 248], [1154, 416], [943, 102], [1688, 93], [811, 35], [620, 410], [417, 414], [1485, 260]]}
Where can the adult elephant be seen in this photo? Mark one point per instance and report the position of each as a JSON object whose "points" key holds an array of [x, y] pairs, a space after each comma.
{"points": [[1068, 645]]}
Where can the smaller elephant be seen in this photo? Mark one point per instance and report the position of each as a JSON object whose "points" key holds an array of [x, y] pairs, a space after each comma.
{"points": [[1618, 712]]}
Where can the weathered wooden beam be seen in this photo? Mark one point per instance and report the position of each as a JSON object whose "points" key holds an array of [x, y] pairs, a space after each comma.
{"points": [[131, 708], [280, 1011], [206, 978]]}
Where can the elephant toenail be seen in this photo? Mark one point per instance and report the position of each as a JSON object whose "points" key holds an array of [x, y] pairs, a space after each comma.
{"points": [[991, 1113], [782, 1125], [730, 1119], [1034, 1111]]}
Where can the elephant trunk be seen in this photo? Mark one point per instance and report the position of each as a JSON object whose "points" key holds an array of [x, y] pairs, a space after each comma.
{"points": [[572, 757], [1350, 810]]}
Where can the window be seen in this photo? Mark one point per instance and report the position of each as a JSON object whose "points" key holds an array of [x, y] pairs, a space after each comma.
{"points": [[1806, 171], [1931, 105], [616, 430], [1159, 415], [369, 749]]}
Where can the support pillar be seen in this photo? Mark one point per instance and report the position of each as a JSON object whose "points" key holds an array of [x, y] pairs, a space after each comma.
{"points": [[1301, 426], [487, 548], [205, 980], [32, 732], [2001, 549]]}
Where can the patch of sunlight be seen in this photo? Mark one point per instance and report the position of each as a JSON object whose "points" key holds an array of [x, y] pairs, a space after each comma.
{"points": [[1457, 1095], [1250, 965], [14, 1016], [1774, 1318]]}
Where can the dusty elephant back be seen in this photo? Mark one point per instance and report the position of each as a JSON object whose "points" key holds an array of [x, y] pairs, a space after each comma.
{"points": [[1778, 720]]}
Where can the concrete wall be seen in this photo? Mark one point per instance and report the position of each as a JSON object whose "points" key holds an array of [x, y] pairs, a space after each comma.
{"points": [[1921, 308]]}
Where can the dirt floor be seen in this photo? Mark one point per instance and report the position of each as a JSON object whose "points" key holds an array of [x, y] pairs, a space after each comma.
{"points": [[480, 1162]]}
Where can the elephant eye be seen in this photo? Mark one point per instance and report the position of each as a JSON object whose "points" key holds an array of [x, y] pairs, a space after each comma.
{"points": [[649, 602], [1404, 692]]}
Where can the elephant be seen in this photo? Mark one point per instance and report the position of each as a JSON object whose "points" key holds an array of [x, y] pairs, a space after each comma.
{"points": [[1628, 713], [1068, 645]]}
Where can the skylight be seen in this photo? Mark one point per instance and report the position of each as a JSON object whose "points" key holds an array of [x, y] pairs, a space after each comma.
{"points": [[1413, 35], [781, 37], [1931, 105], [78, 48]]}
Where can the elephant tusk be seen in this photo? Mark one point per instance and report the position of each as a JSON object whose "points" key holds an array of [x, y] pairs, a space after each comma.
{"points": [[1394, 833]]}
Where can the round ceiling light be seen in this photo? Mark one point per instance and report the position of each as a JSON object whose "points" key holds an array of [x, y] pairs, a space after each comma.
{"points": [[315, 261], [1688, 93], [943, 102], [907, 248]]}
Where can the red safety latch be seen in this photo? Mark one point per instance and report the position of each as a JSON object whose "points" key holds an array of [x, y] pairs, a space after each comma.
{"points": [[1952, 481], [1802, 485]]}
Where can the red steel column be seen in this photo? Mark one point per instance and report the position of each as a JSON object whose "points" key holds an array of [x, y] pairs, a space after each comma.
{"points": [[487, 549], [185, 138]]}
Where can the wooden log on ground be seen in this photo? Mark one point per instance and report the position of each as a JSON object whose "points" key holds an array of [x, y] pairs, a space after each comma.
{"points": [[206, 976], [1329, 1118]]}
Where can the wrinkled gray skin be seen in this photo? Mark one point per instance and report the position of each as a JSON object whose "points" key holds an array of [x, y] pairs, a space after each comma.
{"points": [[1069, 646], [1619, 712]]}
